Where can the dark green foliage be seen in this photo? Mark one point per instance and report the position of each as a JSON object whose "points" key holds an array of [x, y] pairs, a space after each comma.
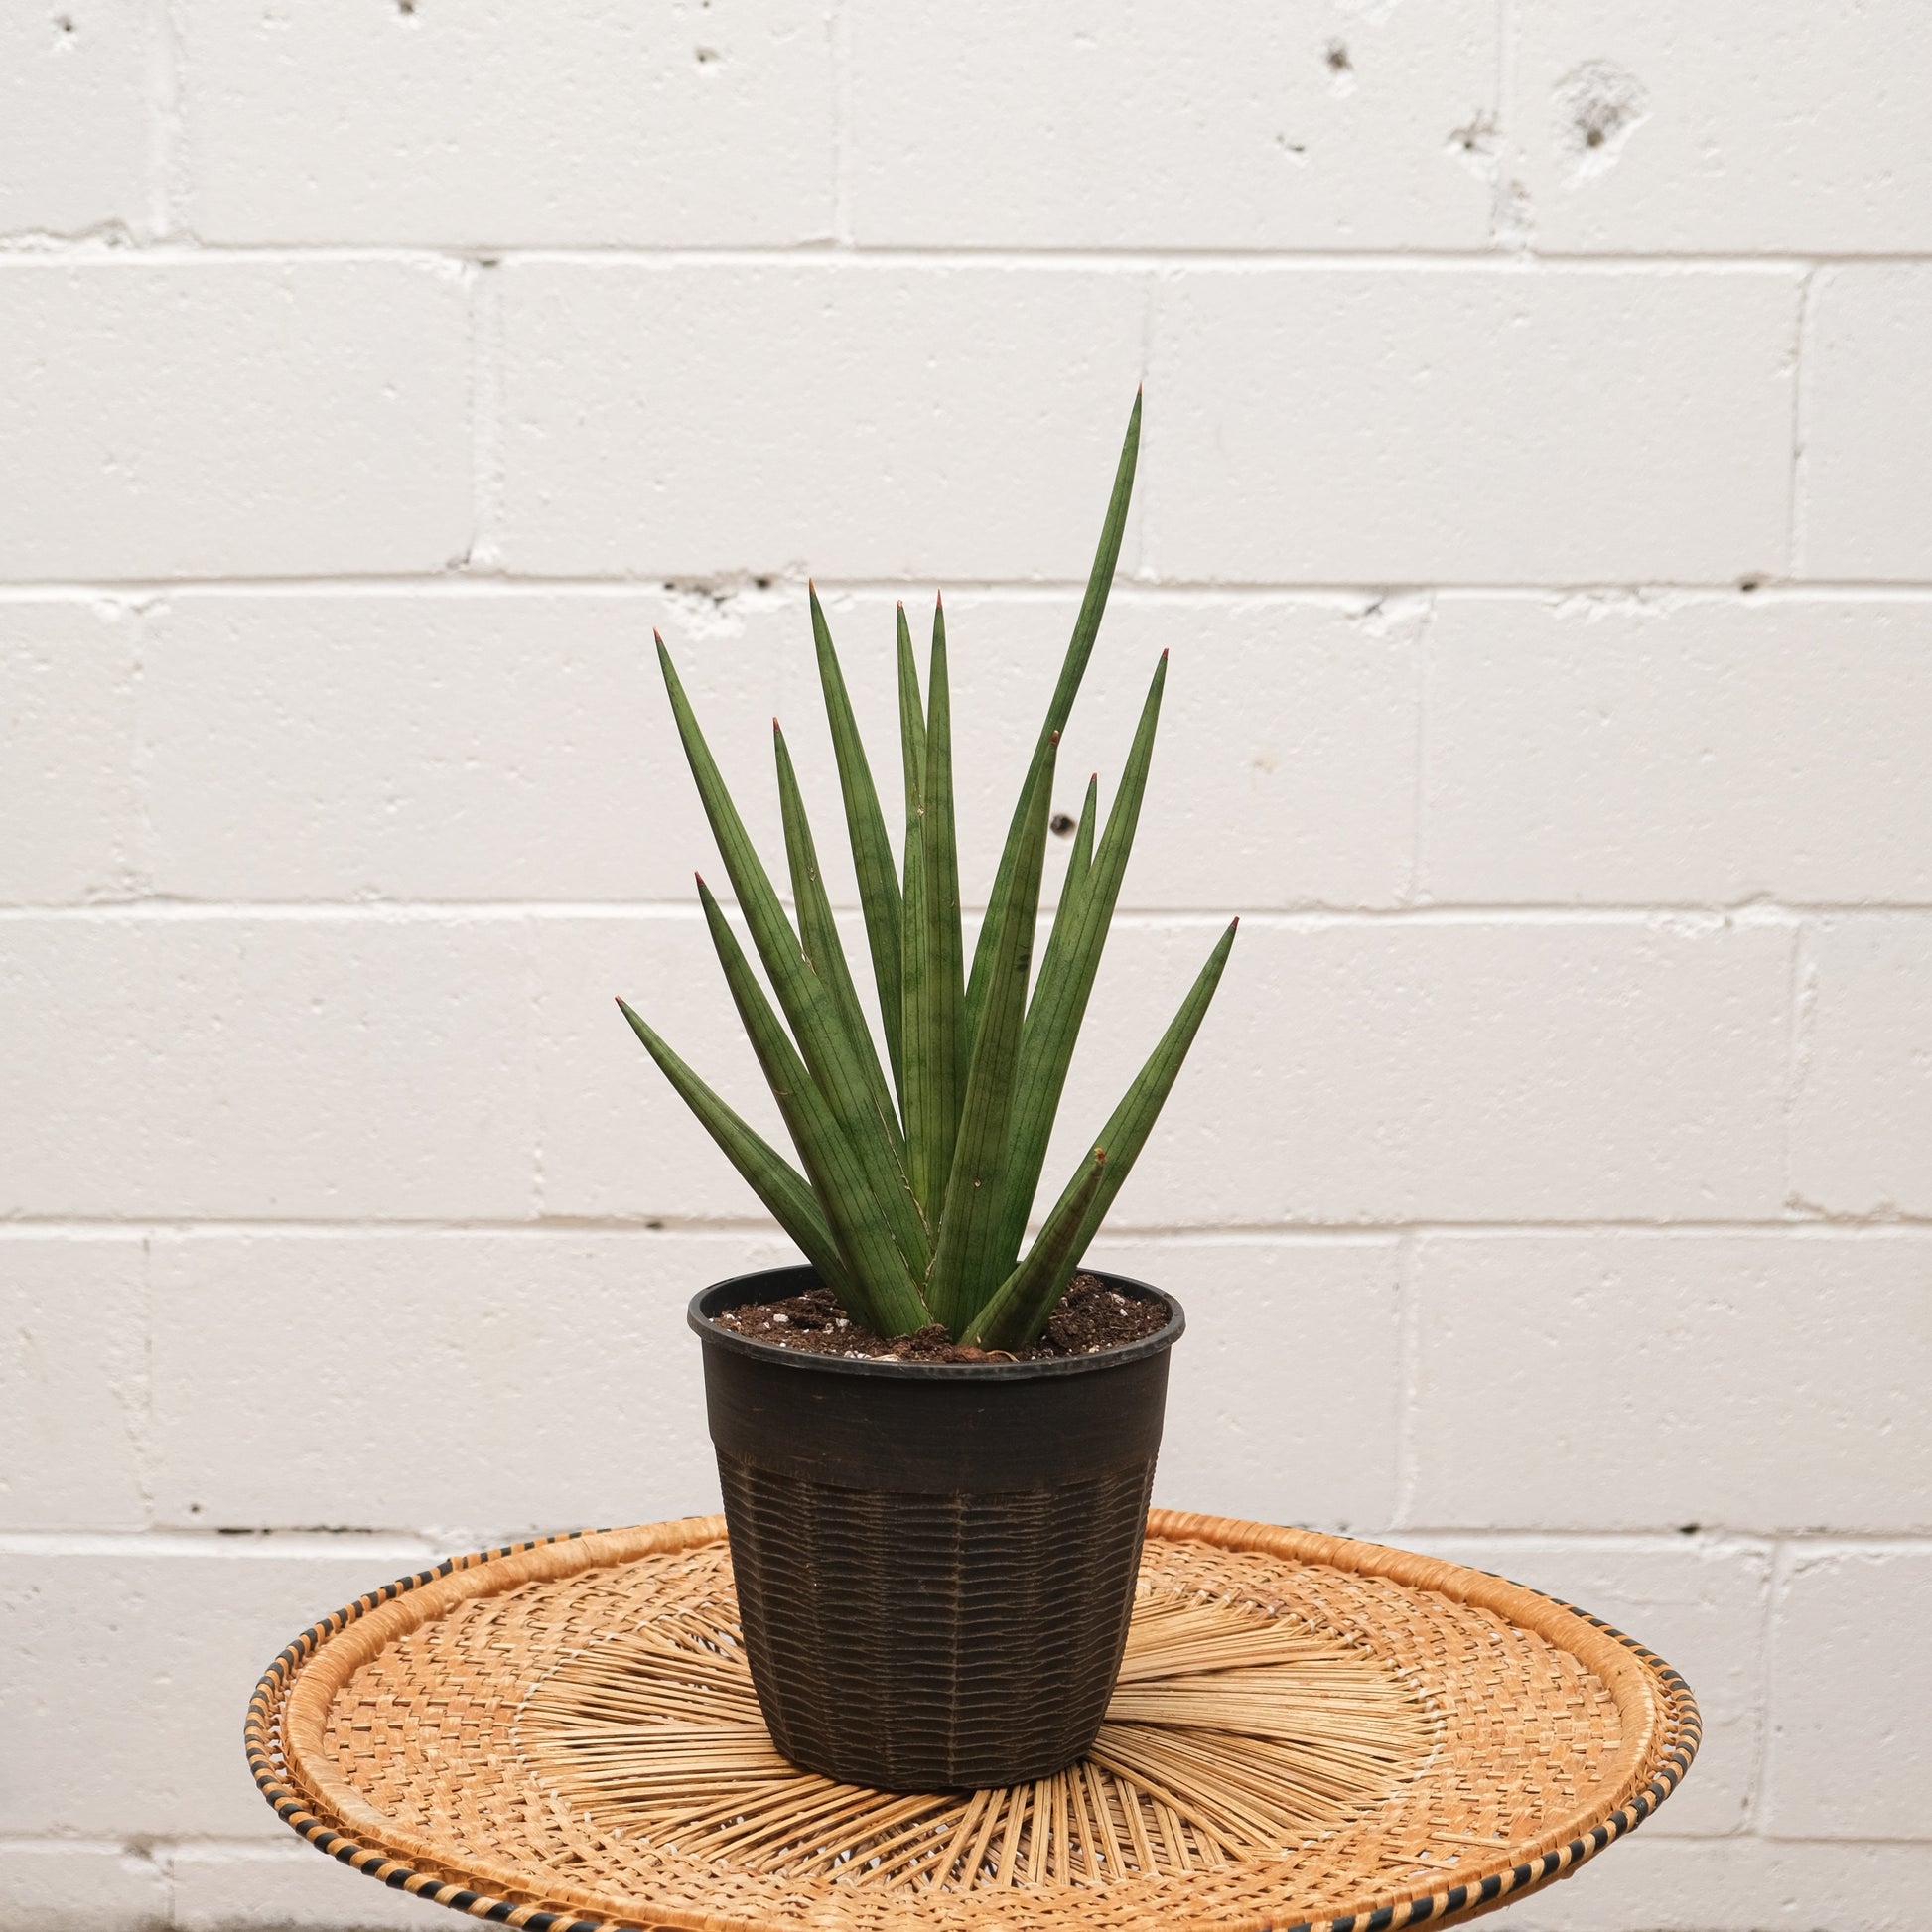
{"points": [[920, 1169]]}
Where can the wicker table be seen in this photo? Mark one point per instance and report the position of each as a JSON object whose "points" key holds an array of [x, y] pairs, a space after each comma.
{"points": [[1307, 1732]]}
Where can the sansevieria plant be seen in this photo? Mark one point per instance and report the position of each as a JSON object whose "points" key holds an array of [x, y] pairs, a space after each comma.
{"points": [[920, 1169]]}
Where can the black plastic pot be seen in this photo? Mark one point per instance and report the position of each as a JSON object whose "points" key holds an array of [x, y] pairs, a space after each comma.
{"points": [[936, 1562]]}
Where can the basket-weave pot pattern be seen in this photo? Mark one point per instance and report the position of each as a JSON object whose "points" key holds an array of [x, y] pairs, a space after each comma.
{"points": [[934, 1562], [903, 1677]]}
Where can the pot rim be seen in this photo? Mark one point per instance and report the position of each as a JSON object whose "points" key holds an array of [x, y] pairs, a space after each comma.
{"points": [[708, 1331]]}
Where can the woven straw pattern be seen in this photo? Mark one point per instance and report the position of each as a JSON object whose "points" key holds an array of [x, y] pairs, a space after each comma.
{"points": [[979, 1593], [1305, 1731], [1231, 1733]]}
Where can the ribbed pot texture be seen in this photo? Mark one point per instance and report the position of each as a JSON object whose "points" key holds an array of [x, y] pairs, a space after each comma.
{"points": [[936, 1562]]}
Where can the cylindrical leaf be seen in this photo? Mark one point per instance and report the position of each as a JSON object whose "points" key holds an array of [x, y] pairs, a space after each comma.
{"points": [[1018, 1314], [807, 1002], [1066, 977], [819, 933], [865, 1243], [872, 850], [1130, 1124], [935, 1065], [967, 1266], [777, 1182], [1086, 628]]}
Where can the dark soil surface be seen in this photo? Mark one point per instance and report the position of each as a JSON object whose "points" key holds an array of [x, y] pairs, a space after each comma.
{"points": [[1091, 1317]]}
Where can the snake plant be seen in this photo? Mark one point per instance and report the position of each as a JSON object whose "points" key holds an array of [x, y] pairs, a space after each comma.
{"points": [[920, 1169]]}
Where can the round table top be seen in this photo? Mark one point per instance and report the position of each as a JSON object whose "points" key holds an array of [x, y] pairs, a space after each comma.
{"points": [[1308, 1732]]}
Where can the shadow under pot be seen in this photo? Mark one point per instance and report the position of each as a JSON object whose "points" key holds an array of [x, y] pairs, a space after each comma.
{"points": [[936, 1561]]}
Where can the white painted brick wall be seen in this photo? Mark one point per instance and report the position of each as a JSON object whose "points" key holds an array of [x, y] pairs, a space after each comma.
{"points": [[68, 695], [1851, 1714], [1833, 1324], [1773, 742], [1535, 503], [76, 87], [327, 1067], [232, 417], [1090, 126], [1471, 424], [452, 1327], [1866, 456], [678, 124], [1395, 1071], [1861, 1105], [73, 1426], [691, 418], [1726, 128]]}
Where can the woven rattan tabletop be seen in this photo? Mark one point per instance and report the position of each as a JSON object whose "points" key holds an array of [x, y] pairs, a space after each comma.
{"points": [[1308, 1732]]}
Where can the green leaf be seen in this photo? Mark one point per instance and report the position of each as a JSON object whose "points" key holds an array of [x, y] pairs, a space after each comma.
{"points": [[1133, 1120], [921, 1137], [824, 951], [777, 1182], [912, 733], [808, 1005], [872, 850], [1066, 976], [1086, 626], [1066, 916], [967, 1265], [1017, 1316], [864, 1244], [935, 1057], [1080, 858]]}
